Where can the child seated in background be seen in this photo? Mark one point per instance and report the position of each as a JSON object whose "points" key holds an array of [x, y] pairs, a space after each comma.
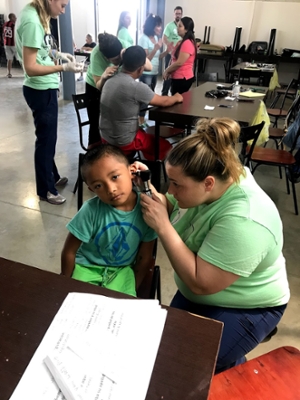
{"points": [[108, 244], [87, 47]]}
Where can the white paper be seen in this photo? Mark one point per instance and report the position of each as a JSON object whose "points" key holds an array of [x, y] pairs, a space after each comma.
{"points": [[96, 348], [209, 108]]}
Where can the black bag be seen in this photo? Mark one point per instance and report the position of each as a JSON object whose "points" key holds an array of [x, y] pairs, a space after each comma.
{"points": [[258, 47], [216, 94]]}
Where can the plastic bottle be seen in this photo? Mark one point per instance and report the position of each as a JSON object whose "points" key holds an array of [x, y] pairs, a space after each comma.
{"points": [[236, 89]]}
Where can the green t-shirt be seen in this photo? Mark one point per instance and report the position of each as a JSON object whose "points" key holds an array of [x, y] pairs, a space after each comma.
{"points": [[125, 37], [171, 33], [241, 232], [30, 33], [98, 64]]}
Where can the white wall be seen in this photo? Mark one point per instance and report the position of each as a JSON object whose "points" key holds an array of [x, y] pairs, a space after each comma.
{"points": [[256, 18]]}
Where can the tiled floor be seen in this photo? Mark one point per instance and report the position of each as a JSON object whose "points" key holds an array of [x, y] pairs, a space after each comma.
{"points": [[33, 232]]}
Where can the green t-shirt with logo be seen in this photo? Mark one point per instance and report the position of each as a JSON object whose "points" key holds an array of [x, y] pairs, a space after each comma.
{"points": [[241, 232], [171, 33], [30, 33]]}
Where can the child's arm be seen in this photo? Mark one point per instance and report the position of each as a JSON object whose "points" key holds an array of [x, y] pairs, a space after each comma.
{"points": [[68, 255], [143, 261]]}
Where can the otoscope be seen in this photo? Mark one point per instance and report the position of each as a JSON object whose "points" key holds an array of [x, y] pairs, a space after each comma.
{"points": [[145, 177]]}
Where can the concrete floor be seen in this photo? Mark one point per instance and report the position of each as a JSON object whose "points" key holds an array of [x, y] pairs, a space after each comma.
{"points": [[33, 232]]}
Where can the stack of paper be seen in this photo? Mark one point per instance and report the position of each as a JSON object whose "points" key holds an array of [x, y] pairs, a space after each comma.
{"points": [[96, 348]]}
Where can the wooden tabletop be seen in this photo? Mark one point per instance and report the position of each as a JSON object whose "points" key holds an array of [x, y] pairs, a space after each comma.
{"points": [[272, 376], [192, 108], [30, 298]]}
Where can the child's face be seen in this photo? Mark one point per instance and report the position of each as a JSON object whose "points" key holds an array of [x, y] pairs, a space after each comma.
{"points": [[111, 180]]}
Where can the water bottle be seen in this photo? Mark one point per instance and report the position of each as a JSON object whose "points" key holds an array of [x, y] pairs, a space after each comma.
{"points": [[236, 89]]}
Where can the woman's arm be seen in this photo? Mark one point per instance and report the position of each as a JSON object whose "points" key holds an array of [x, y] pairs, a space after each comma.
{"points": [[100, 80], [199, 276], [182, 58], [143, 261], [32, 68], [68, 255], [157, 46]]}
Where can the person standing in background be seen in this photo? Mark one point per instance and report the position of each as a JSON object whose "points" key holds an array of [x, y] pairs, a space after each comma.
{"points": [[151, 43], [37, 51], [170, 39], [184, 54], [122, 32], [9, 41]]}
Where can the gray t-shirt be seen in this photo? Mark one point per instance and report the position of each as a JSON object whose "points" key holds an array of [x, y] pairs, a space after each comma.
{"points": [[119, 108]]}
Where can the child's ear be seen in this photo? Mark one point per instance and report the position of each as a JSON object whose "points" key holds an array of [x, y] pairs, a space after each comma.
{"points": [[132, 168]]}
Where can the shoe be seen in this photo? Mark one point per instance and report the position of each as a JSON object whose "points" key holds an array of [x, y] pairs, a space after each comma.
{"points": [[267, 338], [296, 176], [62, 181], [144, 126], [80, 79], [9, 75], [55, 199]]}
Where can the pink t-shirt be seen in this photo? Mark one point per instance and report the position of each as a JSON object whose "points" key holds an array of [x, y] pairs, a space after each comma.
{"points": [[187, 69]]}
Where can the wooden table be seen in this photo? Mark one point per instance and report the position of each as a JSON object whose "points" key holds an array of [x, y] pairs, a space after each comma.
{"points": [[272, 376], [30, 298], [265, 74], [191, 109]]}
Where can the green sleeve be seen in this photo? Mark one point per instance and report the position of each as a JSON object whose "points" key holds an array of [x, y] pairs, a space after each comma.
{"points": [[171, 199]]}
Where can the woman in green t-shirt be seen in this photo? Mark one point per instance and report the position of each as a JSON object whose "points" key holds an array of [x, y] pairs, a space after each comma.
{"points": [[223, 236], [122, 32], [104, 61], [38, 53]]}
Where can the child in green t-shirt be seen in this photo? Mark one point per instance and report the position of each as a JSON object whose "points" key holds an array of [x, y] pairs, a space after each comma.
{"points": [[108, 244]]}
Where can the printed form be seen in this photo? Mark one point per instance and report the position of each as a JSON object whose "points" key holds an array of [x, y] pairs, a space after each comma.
{"points": [[96, 348]]}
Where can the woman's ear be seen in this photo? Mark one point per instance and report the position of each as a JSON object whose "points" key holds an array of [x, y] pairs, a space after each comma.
{"points": [[209, 183]]}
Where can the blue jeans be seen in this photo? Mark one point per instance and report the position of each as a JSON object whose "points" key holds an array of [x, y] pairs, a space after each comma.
{"points": [[149, 80], [44, 107], [243, 328]]}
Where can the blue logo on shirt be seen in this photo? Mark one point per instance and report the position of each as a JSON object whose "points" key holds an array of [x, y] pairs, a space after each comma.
{"points": [[118, 242]]}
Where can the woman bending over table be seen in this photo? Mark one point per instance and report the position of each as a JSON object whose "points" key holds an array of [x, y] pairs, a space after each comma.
{"points": [[181, 70], [223, 236]]}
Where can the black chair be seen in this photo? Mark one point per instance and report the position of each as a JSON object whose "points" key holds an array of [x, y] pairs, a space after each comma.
{"points": [[290, 91], [279, 158], [278, 113], [249, 133], [277, 134], [80, 104], [208, 77], [245, 76]]}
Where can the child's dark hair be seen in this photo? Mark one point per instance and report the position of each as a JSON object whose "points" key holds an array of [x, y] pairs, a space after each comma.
{"points": [[188, 24], [133, 58], [151, 22], [95, 154]]}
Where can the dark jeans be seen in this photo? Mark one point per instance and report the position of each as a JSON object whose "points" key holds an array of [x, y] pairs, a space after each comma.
{"points": [[149, 80], [93, 111], [167, 82], [181, 85], [44, 107], [243, 328]]}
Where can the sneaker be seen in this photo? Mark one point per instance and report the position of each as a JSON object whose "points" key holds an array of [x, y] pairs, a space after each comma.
{"points": [[9, 75], [80, 79], [144, 126], [56, 199], [62, 181]]}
